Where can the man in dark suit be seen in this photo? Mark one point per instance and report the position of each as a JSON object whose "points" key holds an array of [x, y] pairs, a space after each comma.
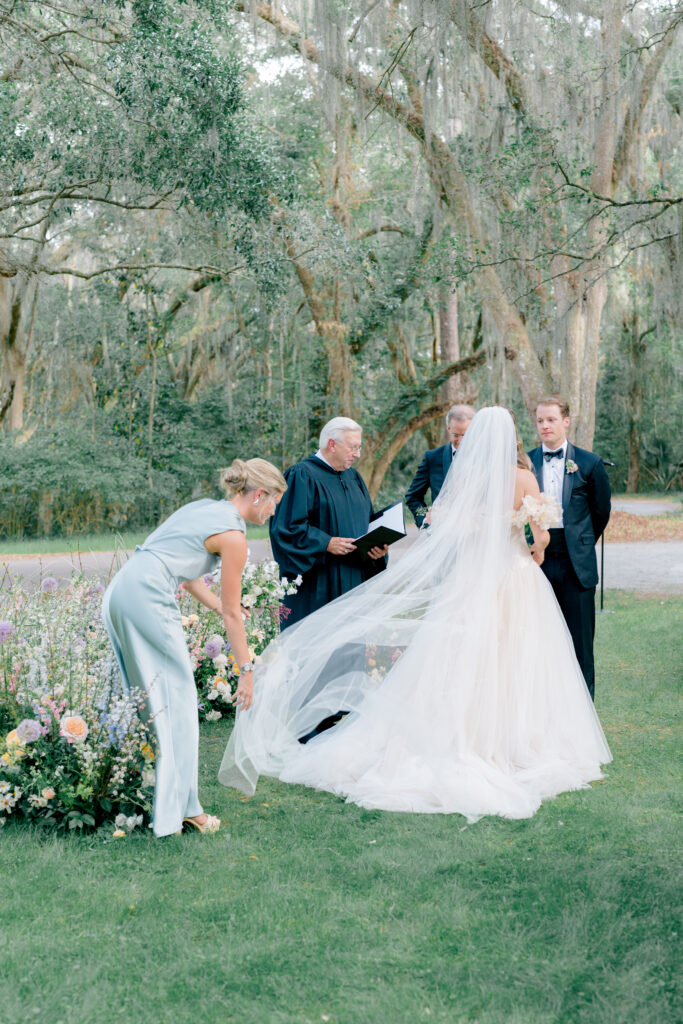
{"points": [[432, 470], [578, 480]]}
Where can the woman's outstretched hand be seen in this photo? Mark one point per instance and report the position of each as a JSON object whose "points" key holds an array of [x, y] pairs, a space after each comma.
{"points": [[244, 694]]}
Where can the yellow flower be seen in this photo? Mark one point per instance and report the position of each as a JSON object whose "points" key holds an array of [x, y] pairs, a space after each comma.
{"points": [[147, 752], [15, 750], [118, 833], [184, 621]]}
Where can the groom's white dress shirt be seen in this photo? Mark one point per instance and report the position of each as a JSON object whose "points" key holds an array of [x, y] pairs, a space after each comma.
{"points": [[553, 474]]}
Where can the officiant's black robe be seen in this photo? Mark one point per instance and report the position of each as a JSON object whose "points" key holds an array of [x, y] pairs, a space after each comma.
{"points": [[320, 503]]}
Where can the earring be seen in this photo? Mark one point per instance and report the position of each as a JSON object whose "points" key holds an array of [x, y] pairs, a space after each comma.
{"points": [[256, 501]]}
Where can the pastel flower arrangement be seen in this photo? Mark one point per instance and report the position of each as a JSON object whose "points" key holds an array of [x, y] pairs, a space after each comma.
{"points": [[380, 659], [75, 751], [570, 466], [215, 670]]}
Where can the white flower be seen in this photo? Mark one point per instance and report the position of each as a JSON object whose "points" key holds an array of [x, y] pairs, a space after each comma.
{"points": [[37, 801], [220, 661], [193, 662], [148, 777], [213, 716], [133, 822], [247, 600], [4, 788], [6, 803], [299, 580], [212, 694], [120, 821]]}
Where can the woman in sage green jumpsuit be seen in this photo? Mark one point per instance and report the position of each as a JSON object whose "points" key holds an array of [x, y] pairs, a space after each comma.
{"points": [[142, 617]]}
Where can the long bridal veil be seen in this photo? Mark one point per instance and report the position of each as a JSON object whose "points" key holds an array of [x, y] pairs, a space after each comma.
{"points": [[393, 627]]}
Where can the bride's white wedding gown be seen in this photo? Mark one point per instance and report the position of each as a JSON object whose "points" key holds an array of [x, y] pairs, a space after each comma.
{"points": [[482, 708]]}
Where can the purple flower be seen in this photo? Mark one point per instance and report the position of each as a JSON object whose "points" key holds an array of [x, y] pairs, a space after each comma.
{"points": [[48, 585], [96, 588], [6, 630], [208, 579], [212, 648], [29, 730]]}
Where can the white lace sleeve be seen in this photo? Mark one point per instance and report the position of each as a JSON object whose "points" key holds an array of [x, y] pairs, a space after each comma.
{"points": [[544, 511]]}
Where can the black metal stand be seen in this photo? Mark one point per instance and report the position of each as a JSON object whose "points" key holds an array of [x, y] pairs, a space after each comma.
{"points": [[602, 559]]}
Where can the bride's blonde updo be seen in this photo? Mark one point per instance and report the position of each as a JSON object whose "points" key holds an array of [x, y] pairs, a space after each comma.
{"points": [[523, 460], [243, 476]]}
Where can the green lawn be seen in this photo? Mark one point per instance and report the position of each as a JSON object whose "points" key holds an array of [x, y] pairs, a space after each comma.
{"points": [[307, 910], [91, 542]]}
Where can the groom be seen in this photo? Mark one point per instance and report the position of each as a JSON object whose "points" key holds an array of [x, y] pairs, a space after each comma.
{"points": [[577, 479]]}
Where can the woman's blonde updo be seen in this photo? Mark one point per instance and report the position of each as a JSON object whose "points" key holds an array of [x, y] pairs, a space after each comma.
{"points": [[243, 476]]}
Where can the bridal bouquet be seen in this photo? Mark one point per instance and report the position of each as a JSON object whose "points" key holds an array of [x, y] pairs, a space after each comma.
{"points": [[215, 669], [75, 751], [544, 510]]}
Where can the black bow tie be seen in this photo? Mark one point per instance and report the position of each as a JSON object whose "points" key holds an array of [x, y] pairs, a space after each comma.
{"points": [[559, 454]]}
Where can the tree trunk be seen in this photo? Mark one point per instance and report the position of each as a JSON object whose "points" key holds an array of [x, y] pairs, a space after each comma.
{"points": [[18, 298], [636, 368], [454, 388]]}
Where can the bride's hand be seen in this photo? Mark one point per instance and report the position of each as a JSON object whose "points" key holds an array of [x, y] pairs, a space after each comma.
{"points": [[538, 554]]}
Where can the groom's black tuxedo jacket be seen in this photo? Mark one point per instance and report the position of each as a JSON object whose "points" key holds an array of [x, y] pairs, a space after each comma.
{"points": [[430, 476], [585, 508]]}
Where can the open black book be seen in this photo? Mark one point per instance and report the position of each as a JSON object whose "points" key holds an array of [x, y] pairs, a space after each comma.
{"points": [[386, 527]]}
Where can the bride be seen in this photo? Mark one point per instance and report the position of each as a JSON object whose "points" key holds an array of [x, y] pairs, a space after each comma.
{"points": [[455, 665]]}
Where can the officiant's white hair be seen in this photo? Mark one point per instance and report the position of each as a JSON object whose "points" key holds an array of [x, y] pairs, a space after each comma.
{"points": [[336, 429], [460, 413]]}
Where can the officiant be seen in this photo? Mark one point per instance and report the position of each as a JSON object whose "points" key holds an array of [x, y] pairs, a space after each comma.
{"points": [[326, 505]]}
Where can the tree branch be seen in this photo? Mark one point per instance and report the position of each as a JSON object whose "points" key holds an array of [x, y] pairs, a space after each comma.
{"points": [[376, 231], [220, 273], [631, 128]]}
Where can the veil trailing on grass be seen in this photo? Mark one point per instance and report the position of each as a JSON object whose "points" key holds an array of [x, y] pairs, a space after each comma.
{"points": [[340, 657]]}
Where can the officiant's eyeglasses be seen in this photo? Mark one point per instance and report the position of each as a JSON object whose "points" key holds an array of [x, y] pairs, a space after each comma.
{"points": [[353, 448]]}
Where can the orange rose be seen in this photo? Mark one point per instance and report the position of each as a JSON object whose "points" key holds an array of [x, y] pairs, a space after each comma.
{"points": [[73, 728]]}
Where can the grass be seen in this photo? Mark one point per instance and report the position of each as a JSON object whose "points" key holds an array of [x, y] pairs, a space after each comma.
{"points": [[312, 910], [91, 542]]}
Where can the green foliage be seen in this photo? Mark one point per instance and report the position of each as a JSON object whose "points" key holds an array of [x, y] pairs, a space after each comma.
{"points": [[74, 478]]}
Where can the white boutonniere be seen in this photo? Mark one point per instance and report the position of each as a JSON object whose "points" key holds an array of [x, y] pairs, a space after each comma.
{"points": [[570, 466]]}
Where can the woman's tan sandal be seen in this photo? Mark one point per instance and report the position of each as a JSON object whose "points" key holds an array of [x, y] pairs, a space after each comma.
{"points": [[211, 824]]}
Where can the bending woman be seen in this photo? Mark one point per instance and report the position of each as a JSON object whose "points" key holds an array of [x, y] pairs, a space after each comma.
{"points": [[142, 618]]}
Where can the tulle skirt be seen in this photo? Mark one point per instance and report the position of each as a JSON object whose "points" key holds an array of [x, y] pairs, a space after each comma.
{"points": [[476, 716]]}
